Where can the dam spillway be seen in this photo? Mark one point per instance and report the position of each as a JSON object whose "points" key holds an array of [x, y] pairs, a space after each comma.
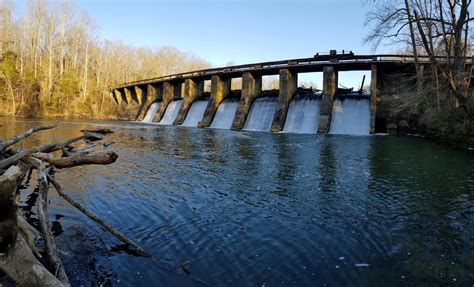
{"points": [[151, 113], [288, 109], [171, 113], [225, 114], [189, 87], [350, 114], [303, 115], [195, 113], [261, 114]]}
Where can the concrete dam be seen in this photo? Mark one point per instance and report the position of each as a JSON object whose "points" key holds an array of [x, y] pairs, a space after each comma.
{"points": [[180, 99]]}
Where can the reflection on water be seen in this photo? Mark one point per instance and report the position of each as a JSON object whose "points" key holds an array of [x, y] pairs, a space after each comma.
{"points": [[275, 209]]}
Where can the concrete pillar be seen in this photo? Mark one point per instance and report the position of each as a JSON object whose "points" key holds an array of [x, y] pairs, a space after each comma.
{"points": [[167, 96], [329, 91], [373, 97], [177, 87], [251, 88], [220, 89], [156, 92], [192, 91], [142, 94], [128, 95], [133, 93], [117, 96], [288, 86]]}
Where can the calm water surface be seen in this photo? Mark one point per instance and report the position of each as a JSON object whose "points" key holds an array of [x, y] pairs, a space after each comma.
{"points": [[261, 209]]}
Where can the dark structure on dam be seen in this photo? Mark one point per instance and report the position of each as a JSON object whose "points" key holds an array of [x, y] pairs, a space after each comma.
{"points": [[167, 89]]}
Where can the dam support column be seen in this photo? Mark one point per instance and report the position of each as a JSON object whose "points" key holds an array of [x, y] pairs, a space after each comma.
{"points": [[251, 88], [329, 92], [177, 88], [133, 93], [154, 95], [117, 95], [142, 94], [128, 95], [167, 96], [220, 89], [192, 91], [373, 97], [288, 86], [156, 92]]}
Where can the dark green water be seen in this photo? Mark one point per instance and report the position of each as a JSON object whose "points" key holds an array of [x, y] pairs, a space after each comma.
{"points": [[261, 209]]}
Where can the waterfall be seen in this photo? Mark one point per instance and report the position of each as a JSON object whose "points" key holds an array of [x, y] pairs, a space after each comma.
{"points": [[350, 116], [171, 113], [151, 113], [261, 114], [195, 113], [225, 114], [303, 115]]}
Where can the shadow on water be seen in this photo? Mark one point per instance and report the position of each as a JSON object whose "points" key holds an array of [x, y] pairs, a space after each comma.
{"points": [[217, 207]]}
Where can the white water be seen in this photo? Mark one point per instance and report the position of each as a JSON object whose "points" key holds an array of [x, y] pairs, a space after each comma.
{"points": [[195, 113], [225, 114], [303, 116], [151, 113], [350, 116], [171, 113], [261, 114]]}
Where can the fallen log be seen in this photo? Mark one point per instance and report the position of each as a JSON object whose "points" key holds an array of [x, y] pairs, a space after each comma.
{"points": [[55, 264], [21, 259], [78, 159], [99, 131], [17, 259]]}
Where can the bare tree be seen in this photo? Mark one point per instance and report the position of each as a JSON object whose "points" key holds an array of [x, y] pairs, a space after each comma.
{"points": [[442, 29]]}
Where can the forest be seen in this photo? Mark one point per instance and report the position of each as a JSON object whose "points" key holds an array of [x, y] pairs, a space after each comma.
{"points": [[54, 63]]}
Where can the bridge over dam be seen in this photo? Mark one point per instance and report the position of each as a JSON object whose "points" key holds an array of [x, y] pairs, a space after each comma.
{"points": [[180, 99]]}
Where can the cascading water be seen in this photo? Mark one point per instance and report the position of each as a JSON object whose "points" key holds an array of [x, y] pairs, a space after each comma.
{"points": [[151, 113], [171, 113], [225, 114], [261, 114], [351, 116], [303, 115], [195, 113]]}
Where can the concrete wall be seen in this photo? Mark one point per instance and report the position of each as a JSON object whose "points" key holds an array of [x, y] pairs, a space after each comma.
{"points": [[329, 91], [251, 88], [288, 86], [192, 90], [168, 91], [220, 89]]}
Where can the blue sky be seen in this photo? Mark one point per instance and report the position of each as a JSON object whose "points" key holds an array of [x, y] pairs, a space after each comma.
{"points": [[241, 31]]}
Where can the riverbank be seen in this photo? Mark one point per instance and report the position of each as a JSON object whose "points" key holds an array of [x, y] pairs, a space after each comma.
{"points": [[448, 126]]}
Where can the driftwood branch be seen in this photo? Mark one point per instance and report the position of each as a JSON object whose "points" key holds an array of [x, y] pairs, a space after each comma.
{"points": [[55, 264], [19, 254], [97, 219], [46, 148], [17, 258], [15, 139], [78, 159]]}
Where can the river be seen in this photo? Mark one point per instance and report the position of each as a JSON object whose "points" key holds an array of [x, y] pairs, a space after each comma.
{"points": [[262, 209]]}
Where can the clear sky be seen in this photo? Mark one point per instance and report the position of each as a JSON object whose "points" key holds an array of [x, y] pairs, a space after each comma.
{"points": [[241, 31]]}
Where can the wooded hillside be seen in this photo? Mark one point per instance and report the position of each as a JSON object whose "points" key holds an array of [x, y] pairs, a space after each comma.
{"points": [[53, 62]]}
